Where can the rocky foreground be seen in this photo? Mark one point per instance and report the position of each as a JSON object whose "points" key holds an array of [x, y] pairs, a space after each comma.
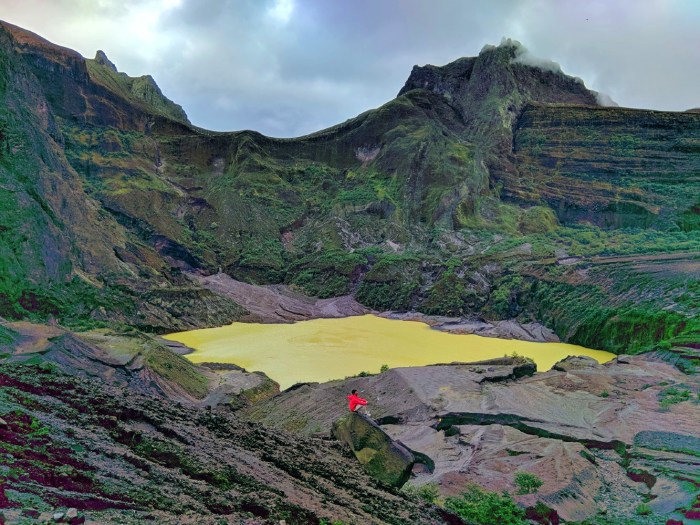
{"points": [[603, 438], [117, 426], [123, 430], [120, 457]]}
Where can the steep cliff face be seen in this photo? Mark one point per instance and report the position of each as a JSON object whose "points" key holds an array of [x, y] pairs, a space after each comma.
{"points": [[62, 253], [613, 167], [139, 91], [544, 138], [48, 222], [90, 90], [484, 186], [490, 90]]}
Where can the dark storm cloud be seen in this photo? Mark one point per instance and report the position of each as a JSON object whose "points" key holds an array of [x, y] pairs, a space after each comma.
{"points": [[289, 67]]}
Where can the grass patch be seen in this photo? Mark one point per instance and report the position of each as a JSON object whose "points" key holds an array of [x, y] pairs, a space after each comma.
{"points": [[673, 395]]}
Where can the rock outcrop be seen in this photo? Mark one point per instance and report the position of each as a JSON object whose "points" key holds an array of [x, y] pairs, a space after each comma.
{"points": [[137, 362], [595, 434], [506, 329], [278, 303], [381, 456], [101, 58]]}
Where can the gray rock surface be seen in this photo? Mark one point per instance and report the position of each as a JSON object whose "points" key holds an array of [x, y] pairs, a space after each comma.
{"points": [[507, 329], [595, 434], [127, 361], [278, 303]]}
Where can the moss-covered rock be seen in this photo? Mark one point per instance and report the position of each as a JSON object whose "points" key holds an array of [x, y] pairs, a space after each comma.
{"points": [[382, 457]]}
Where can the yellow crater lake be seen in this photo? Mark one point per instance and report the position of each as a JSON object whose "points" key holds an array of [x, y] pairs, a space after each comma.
{"points": [[326, 349]]}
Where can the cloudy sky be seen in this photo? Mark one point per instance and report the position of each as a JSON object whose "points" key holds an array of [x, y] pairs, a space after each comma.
{"points": [[290, 67]]}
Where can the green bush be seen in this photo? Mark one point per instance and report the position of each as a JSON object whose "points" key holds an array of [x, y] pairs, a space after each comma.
{"points": [[527, 482], [643, 509], [428, 492], [449, 296], [326, 273], [503, 300], [482, 507]]}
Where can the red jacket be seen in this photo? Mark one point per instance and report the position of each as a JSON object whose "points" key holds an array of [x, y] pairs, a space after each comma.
{"points": [[354, 400]]}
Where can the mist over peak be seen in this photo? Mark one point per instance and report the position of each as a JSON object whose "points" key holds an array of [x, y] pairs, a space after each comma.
{"points": [[522, 55]]}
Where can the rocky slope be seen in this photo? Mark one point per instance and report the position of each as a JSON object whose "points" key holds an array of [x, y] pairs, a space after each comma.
{"points": [[134, 361], [602, 438], [128, 439], [279, 303], [101, 421], [126, 459], [487, 186]]}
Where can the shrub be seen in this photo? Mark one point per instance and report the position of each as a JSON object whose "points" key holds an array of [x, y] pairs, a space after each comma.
{"points": [[483, 507], [664, 345], [643, 509], [527, 482], [452, 431], [428, 492], [384, 368]]}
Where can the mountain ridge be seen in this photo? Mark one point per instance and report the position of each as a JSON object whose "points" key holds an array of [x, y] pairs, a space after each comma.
{"points": [[416, 205]]}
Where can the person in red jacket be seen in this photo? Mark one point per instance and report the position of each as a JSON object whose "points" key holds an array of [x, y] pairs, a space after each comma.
{"points": [[355, 402]]}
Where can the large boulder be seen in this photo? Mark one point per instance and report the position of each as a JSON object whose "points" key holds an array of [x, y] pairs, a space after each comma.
{"points": [[381, 456], [575, 362]]}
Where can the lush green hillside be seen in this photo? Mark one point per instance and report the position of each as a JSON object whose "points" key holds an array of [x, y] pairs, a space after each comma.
{"points": [[486, 188]]}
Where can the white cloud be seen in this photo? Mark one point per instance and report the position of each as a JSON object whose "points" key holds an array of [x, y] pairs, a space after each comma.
{"points": [[525, 57], [604, 100], [281, 11]]}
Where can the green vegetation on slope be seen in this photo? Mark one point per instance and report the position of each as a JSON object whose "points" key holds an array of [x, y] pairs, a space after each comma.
{"points": [[142, 90], [487, 188], [483, 507]]}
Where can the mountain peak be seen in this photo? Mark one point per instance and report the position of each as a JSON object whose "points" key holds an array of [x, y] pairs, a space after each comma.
{"points": [[508, 69], [143, 89], [101, 58], [517, 53]]}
